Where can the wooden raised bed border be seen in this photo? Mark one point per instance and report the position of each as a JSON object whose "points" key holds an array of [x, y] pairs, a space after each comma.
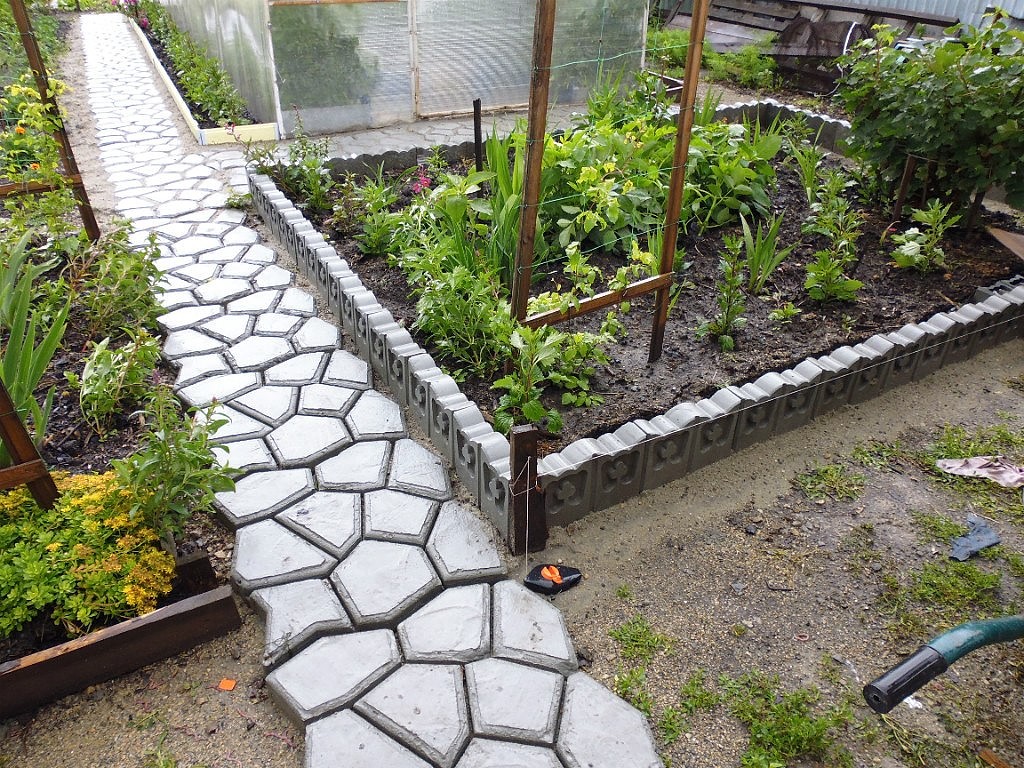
{"points": [[42, 677]]}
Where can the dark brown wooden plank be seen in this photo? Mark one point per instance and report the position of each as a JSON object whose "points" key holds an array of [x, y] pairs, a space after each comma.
{"points": [[772, 10], [749, 20], [22, 474], [42, 677], [600, 301]]}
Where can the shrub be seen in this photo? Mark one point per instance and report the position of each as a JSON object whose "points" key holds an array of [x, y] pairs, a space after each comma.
{"points": [[956, 104]]}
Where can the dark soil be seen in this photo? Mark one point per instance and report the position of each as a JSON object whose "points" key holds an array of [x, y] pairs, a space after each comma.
{"points": [[690, 368]]}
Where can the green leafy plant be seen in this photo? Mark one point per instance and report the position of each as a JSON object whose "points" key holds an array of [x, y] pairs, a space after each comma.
{"points": [[114, 377], [808, 159], [827, 280], [919, 249], [27, 355], [175, 472], [831, 481], [670, 725], [763, 255], [638, 641], [749, 67], [629, 685], [15, 267], [956, 103], [696, 696], [83, 560], [785, 313], [783, 724], [535, 352], [731, 300]]}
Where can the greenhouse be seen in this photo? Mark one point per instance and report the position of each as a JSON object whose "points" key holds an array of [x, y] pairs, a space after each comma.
{"points": [[337, 65]]}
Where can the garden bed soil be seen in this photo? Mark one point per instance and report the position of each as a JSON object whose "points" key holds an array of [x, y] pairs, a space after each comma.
{"points": [[691, 368]]}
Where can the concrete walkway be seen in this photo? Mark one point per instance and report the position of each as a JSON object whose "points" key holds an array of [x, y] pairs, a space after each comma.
{"points": [[392, 635]]}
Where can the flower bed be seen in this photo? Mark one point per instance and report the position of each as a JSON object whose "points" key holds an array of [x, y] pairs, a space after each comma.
{"points": [[593, 473]]}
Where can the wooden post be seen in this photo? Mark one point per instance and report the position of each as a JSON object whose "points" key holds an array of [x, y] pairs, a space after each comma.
{"points": [[901, 195], [27, 465], [67, 156], [543, 37], [478, 133], [528, 523], [687, 103]]}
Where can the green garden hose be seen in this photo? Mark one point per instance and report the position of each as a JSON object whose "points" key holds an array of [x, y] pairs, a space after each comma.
{"points": [[931, 660]]}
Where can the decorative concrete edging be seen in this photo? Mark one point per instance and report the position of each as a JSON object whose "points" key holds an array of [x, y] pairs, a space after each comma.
{"points": [[204, 136], [595, 473]]}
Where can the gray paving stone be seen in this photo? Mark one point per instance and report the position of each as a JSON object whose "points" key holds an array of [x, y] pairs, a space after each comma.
{"points": [[267, 554], [485, 753], [330, 519], [213, 229], [348, 370], [396, 516], [196, 244], [169, 282], [173, 263], [423, 706], [462, 546], [375, 417], [245, 456], [301, 369], [379, 582], [238, 425], [360, 467], [257, 353], [530, 630], [239, 269], [297, 302], [455, 627], [361, 745], [241, 236], [259, 254], [255, 303], [276, 324], [271, 404], [222, 290], [272, 276], [198, 273], [219, 388], [296, 613], [332, 672], [316, 335], [186, 317], [417, 470], [172, 300], [326, 399], [228, 328], [305, 440], [513, 701], [225, 255], [200, 367], [600, 730], [260, 495]]}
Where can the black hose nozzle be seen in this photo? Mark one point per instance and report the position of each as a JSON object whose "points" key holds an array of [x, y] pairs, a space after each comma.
{"points": [[894, 686]]}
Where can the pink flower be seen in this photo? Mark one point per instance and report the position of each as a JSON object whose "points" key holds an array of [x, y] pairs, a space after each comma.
{"points": [[143, 22], [422, 183]]}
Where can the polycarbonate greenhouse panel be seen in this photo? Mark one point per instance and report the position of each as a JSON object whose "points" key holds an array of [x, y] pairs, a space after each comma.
{"points": [[235, 31], [342, 66]]}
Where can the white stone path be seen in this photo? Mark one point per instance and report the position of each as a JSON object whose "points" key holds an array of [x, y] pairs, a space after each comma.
{"points": [[391, 634]]}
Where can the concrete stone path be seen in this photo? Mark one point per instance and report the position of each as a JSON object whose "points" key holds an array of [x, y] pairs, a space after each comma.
{"points": [[390, 632]]}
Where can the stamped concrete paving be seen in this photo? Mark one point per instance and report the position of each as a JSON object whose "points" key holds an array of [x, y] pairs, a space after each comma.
{"points": [[391, 634]]}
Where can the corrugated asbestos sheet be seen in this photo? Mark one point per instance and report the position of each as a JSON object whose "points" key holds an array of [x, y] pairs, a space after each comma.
{"points": [[968, 11]]}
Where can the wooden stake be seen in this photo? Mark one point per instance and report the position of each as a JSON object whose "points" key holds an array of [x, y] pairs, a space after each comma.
{"points": [[528, 523], [901, 195], [478, 133], [67, 157], [27, 465], [687, 103], [543, 37]]}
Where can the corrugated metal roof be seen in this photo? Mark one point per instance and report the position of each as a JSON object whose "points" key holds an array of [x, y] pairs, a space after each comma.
{"points": [[968, 11]]}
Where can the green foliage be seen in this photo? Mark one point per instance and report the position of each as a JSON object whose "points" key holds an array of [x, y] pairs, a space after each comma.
{"points": [[877, 455], [731, 300], [637, 640], [28, 152], [376, 197], [827, 280], [783, 724], [175, 472], [696, 696], [957, 103], [667, 48], [749, 67], [44, 25], [16, 271], [763, 255], [204, 82], [624, 592], [29, 350], [670, 725], [629, 684], [808, 158], [936, 527], [831, 481], [114, 378], [785, 313], [920, 248], [84, 560]]}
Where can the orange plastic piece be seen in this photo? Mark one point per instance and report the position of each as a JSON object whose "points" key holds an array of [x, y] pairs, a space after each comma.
{"points": [[550, 572], [227, 684]]}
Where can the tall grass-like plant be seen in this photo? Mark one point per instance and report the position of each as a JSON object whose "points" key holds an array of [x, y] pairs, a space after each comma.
{"points": [[27, 355], [763, 255], [15, 267], [731, 301], [808, 159]]}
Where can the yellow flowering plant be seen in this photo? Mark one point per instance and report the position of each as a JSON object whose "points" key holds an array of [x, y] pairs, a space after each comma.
{"points": [[28, 151], [85, 561]]}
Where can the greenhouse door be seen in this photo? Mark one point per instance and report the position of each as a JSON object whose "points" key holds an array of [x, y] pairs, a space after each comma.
{"points": [[470, 49]]}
